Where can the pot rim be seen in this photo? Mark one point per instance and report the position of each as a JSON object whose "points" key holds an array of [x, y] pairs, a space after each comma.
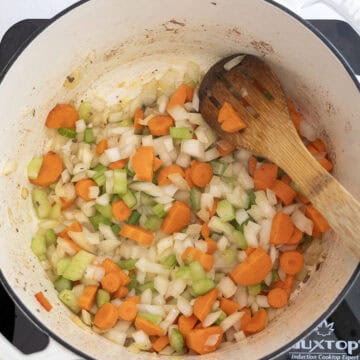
{"points": [[307, 331]]}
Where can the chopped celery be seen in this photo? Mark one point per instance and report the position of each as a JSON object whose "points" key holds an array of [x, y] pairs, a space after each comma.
{"points": [[220, 318], [41, 203], [216, 225], [169, 262], [67, 132], [129, 199], [55, 211], [155, 319], [89, 137], [62, 284], [99, 176], [115, 228], [152, 223], [176, 340], [225, 211], [50, 237], [202, 286], [183, 272], [134, 218], [100, 168], [126, 123], [128, 264], [254, 289], [197, 272], [182, 133], [129, 172], [34, 167], [78, 265], [158, 210], [252, 199], [239, 239], [146, 199], [275, 276], [195, 196], [120, 182], [85, 110], [38, 246], [104, 210], [102, 297], [133, 284], [218, 277], [230, 256], [69, 299], [62, 264], [99, 219], [148, 285], [218, 167]]}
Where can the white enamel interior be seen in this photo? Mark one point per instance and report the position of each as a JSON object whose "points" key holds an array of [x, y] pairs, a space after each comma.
{"points": [[129, 32]]}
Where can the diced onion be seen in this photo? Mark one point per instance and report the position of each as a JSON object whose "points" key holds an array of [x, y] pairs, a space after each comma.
{"points": [[227, 287], [142, 340], [193, 148], [307, 130], [233, 62], [161, 284], [184, 306], [251, 231], [262, 301], [302, 222], [211, 318], [178, 181], [231, 320]]}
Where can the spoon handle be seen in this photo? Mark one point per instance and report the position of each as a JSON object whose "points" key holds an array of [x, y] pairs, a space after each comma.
{"points": [[335, 203]]}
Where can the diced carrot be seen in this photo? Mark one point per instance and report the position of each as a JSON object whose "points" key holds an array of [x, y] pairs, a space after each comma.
{"points": [[111, 282], [277, 298], [109, 266], [44, 302], [50, 171], [186, 323], [160, 125], [296, 237], [177, 218], [265, 176], [253, 270], [120, 293], [124, 279], [316, 233], [319, 145], [228, 306], [75, 227], [203, 304], [230, 119], [137, 233], [120, 210], [303, 199], [284, 192], [139, 115], [106, 317], [134, 299], [162, 178], [252, 162], [286, 285], [312, 150], [296, 116], [87, 298], [286, 179], [249, 250], [73, 245], [148, 327], [119, 164], [66, 203], [143, 163], [211, 245], [291, 262], [197, 339], [160, 343], [206, 260], [127, 310], [82, 188], [257, 323], [201, 173], [205, 231], [224, 147], [62, 116], [212, 211], [245, 319], [101, 146], [318, 220], [157, 163], [187, 173], [326, 164], [282, 229], [182, 94]]}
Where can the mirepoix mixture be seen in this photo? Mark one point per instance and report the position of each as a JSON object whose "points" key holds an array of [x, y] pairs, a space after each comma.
{"points": [[159, 235]]}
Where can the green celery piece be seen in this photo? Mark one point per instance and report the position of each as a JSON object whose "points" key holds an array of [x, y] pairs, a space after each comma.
{"points": [[155, 319], [252, 199], [146, 200], [176, 340], [148, 285], [129, 172], [129, 199], [99, 178], [120, 182], [239, 239], [126, 123], [69, 299], [41, 203], [104, 210], [197, 272], [85, 111], [133, 284], [67, 132], [218, 167], [216, 225], [230, 256], [99, 219], [182, 133], [89, 136], [55, 211], [50, 237], [218, 277], [202, 286], [38, 246], [116, 229], [102, 297], [100, 168], [169, 262], [152, 223], [158, 210], [78, 265], [128, 264], [275, 276], [254, 290], [134, 218], [183, 272], [225, 211], [34, 167], [62, 264], [195, 196], [61, 284]]}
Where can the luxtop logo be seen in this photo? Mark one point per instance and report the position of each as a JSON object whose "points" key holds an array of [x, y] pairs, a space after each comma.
{"points": [[323, 345]]}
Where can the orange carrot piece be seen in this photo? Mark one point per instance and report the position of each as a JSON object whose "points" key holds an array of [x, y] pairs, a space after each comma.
{"points": [[245, 319], [230, 119], [296, 237], [265, 176], [148, 327], [109, 266], [43, 301], [249, 251], [182, 94], [277, 298], [137, 233], [87, 298], [120, 293], [316, 233], [162, 178], [189, 93], [284, 192], [127, 310], [157, 163], [318, 220], [203, 304], [177, 218], [303, 199], [205, 231], [257, 322], [75, 226], [211, 245], [291, 262], [196, 339], [206, 260], [82, 188], [66, 203], [119, 164], [186, 323], [282, 228], [319, 145], [50, 171], [296, 116], [286, 179], [160, 343], [101, 146], [253, 270], [201, 173], [312, 150], [124, 278], [224, 147], [326, 164], [188, 177], [286, 285], [111, 282], [228, 306], [160, 125], [73, 245], [252, 162], [62, 116], [212, 211], [120, 210], [139, 115], [134, 299], [143, 163], [106, 317]]}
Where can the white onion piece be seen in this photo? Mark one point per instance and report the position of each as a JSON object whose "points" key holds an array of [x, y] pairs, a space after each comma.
{"points": [[161, 284], [142, 340], [307, 130], [231, 320], [211, 318], [227, 287], [196, 100], [147, 140], [103, 199], [233, 62], [183, 160], [178, 181], [146, 297], [262, 301], [193, 148], [302, 222], [251, 231], [184, 306]]}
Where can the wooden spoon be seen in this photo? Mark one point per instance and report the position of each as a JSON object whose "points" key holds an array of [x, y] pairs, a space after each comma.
{"points": [[256, 94]]}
